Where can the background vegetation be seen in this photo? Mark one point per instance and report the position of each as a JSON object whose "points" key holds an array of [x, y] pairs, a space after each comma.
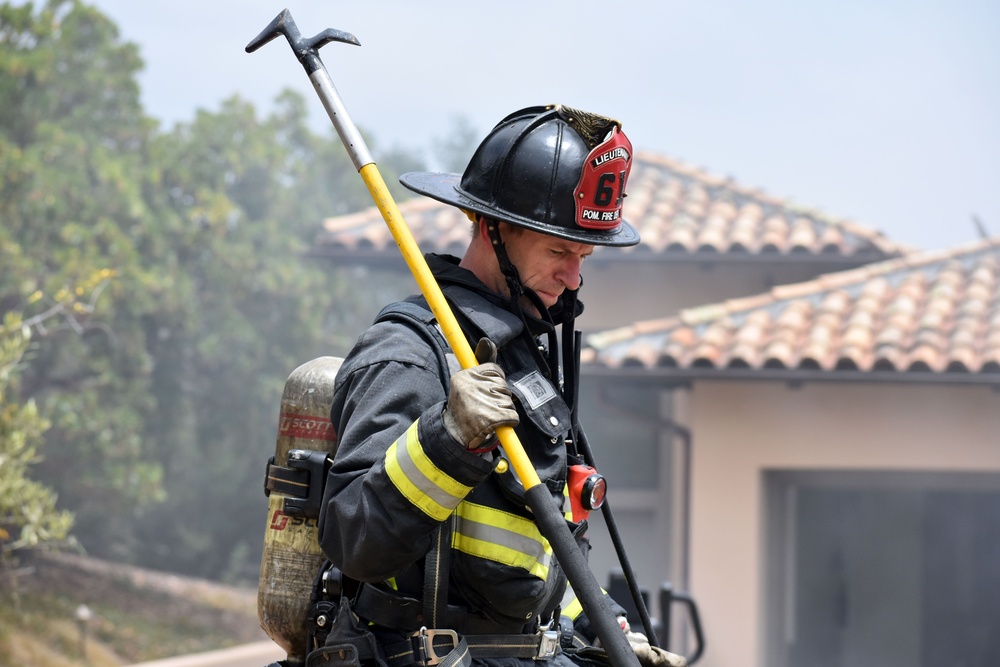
{"points": [[135, 615], [155, 297]]}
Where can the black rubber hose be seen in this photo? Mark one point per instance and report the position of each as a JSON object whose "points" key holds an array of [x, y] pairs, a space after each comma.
{"points": [[595, 604]]}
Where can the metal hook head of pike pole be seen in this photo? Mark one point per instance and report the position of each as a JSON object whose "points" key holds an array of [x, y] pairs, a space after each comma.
{"points": [[305, 49]]}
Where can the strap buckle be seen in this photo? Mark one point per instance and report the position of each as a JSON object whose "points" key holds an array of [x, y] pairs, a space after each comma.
{"points": [[424, 645], [548, 644]]}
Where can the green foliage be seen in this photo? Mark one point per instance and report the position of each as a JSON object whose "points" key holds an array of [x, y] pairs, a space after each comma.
{"points": [[28, 515], [72, 142], [245, 310], [164, 277]]}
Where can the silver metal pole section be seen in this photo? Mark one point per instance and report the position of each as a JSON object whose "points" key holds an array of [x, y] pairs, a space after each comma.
{"points": [[348, 131]]}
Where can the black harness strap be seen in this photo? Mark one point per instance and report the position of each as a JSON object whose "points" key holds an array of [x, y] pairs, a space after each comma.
{"points": [[436, 576], [429, 648], [286, 481], [412, 313], [436, 561], [424, 648]]}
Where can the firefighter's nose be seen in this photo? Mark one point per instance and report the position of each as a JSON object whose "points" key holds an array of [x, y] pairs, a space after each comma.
{"points": [[569, 274]]}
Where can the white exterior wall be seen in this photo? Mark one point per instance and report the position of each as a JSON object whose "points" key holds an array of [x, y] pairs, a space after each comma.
{"points": [[741, 429]]}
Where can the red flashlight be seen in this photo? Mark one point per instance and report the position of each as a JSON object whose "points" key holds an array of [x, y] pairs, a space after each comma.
{"points": [[587, 490]]}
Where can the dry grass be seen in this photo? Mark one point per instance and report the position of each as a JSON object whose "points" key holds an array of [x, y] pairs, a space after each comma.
{"points": [[138, 615]]}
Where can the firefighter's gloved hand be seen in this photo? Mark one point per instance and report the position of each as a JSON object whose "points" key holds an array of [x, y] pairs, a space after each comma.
{"points": [[652, 656], [479, 402]]}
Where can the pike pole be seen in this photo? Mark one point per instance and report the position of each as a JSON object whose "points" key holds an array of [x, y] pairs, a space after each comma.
{"points": [[550, 520]]}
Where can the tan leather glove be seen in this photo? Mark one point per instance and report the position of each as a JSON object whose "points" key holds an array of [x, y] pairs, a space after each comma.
{"points": [[652, 656], [479, 402]]}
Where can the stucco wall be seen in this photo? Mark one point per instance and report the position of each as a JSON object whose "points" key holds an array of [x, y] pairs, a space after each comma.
{"points": [[743, 428], [620, 293]]}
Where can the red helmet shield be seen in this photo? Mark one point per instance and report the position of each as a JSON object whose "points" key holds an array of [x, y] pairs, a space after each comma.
{"points": [[602, 184]]}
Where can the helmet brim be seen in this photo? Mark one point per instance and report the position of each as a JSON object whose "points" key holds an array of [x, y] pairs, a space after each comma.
{"points": [[446, 188]]}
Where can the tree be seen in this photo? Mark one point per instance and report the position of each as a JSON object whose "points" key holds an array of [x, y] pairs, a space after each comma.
{"points": [[72, 134], [233, 194], [162, 394], [245, 196], [28, 514]]}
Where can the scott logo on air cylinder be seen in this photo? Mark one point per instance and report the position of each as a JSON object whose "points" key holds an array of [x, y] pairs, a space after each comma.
{"points": [[304, 426]]}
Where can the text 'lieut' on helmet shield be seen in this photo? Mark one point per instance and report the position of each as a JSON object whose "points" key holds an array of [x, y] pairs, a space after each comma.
{"points": [[601, 190]]}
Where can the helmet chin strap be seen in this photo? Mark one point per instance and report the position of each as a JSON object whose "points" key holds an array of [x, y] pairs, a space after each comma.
{"points": [[518, 289], [570, 350]]}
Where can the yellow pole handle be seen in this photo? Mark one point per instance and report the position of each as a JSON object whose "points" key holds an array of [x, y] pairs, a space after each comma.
{"points": [[442, 311]]}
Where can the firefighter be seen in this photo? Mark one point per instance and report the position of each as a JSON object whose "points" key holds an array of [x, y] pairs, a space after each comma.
{"points": [[423, 520]]}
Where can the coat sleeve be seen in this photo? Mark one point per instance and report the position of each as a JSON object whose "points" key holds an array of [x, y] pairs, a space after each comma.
{"points": [[397, 474]]}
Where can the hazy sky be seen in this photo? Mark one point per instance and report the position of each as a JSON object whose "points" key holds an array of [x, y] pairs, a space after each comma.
{"points": [[883, 111]]}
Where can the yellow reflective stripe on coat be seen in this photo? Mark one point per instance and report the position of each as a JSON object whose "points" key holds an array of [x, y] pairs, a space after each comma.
{"points": [[501, 537], [430, 489], [573, 609]]}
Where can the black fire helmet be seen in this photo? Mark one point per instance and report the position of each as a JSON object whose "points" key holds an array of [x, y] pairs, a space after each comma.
{"points": [[551, 169]]}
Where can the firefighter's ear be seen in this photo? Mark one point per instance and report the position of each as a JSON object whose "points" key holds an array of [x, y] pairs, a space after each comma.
{"points": [[486, 351]]}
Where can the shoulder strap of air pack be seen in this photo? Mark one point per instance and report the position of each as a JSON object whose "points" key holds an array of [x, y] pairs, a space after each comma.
{"points": [[436, 561], [413, 312], [476, 316]]}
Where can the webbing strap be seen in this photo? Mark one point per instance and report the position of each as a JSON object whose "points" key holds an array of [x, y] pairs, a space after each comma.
{"points": [[436, 575], [428, 648], [425, 326], [447, 648], [287, 481]]}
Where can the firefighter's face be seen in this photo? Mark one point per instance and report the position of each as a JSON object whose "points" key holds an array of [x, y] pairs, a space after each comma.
{"points": [[546, 264]]}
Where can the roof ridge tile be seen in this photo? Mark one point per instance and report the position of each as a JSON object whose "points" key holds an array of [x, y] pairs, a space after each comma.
{"points": [[932, 312], [672, 203]]}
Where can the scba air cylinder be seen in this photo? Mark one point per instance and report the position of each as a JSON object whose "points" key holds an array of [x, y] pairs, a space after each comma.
{"points": [[292, 556]]}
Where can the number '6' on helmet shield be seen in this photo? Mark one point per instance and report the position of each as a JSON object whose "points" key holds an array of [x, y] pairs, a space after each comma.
{"points": [[551, 169]]}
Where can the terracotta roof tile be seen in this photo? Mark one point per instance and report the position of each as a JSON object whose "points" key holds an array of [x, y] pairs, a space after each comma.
{"points": [[933, 312], [679, 210]]}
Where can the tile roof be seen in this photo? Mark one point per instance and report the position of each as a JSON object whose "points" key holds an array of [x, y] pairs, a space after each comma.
{"points": [[680, 211], [937, 312]]}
